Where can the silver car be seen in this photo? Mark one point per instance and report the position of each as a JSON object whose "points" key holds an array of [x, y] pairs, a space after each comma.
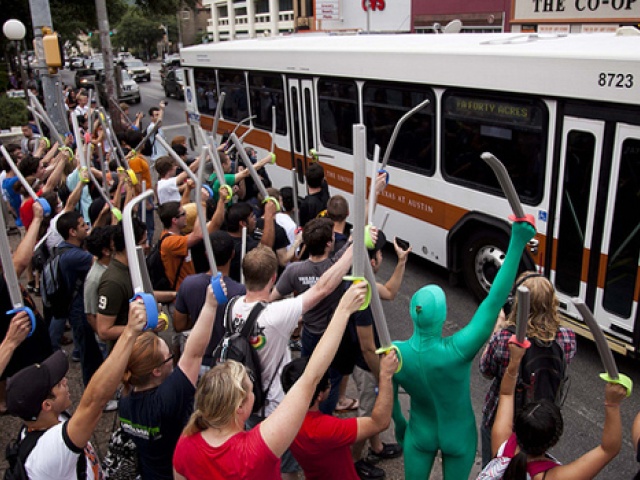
{"points": [[137, 69]]}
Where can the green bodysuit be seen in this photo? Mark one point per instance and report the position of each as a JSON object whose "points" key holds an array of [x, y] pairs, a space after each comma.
{"points": [[436, 373]]}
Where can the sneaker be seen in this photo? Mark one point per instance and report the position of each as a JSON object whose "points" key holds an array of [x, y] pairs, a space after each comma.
{"points": [[389, 450], [366, 470], [295, 345], [111, 406], [75, 357]]}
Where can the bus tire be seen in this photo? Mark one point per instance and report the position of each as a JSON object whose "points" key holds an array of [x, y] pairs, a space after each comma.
{"points": [[482, 257]]}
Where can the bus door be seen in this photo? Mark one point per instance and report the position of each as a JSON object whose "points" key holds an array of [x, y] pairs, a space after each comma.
{"points": [[302, 118], [616, 299], [573, 227], [597, 230]]}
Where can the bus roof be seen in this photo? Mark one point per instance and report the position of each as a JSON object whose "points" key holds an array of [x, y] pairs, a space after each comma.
{"points": [[554, 65]]}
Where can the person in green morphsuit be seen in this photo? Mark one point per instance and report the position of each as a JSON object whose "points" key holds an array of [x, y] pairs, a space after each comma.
{"points": [[436, 373]]}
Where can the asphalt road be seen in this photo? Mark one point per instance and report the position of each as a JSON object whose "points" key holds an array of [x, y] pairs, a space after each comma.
{"points": [[583, 410]]}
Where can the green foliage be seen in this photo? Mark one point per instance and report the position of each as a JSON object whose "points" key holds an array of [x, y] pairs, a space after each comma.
{"points": [[13, 112], [164, 7], [137, 31]]}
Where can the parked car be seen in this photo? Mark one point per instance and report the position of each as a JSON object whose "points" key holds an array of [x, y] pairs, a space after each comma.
{"points": [[137, 69], [129, 89], [169, 63], [174, 83], [86, 77], [92, 79]]}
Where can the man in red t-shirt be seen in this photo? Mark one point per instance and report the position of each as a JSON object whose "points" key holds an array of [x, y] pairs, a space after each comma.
{"points": [[322, 446]]}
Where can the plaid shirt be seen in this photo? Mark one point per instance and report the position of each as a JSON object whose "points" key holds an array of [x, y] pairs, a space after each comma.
{"points": [[495, 360]]}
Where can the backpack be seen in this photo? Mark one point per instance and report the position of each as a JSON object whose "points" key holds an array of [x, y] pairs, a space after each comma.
{"points": [[157, 273], [56, 294], [494, 470], [18, 451], [236, 345], [542, 375]]}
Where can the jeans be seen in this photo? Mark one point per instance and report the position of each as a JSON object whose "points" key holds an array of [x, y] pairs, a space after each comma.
{"points": [[309, 342], [485, 439], [84, 342]]}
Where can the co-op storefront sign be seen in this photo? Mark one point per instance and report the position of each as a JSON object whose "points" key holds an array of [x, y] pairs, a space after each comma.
{"points": [[577, 10]]}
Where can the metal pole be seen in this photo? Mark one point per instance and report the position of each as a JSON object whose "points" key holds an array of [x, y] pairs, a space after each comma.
{"points": [[107, 57], [51, 82]]}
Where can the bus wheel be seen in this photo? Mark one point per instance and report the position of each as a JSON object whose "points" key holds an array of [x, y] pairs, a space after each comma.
{"points": [[482, 257]]}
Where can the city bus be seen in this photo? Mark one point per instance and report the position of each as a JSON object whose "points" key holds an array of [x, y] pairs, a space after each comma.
{"points": [[560, 111]]}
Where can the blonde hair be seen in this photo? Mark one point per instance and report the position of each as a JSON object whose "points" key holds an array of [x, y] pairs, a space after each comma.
{"points": [[543, 321], [145, 358], [220, 392]]}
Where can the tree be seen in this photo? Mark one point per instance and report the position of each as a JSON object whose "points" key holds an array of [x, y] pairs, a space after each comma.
{"points": [[137, 31]]}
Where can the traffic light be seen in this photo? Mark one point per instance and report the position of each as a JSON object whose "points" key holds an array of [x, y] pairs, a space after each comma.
{"points": [[52, 49]]}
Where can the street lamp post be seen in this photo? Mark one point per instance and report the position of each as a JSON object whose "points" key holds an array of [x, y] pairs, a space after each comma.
{"points": [[15, 31]]}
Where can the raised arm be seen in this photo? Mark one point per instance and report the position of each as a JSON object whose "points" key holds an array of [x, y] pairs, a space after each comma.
{"points": [[281, 427], [389, 290], [105, 381], [18, 330], [199, 338], [503, 424], [24, 252], [590, 464], [470, 339], [381, 414]]}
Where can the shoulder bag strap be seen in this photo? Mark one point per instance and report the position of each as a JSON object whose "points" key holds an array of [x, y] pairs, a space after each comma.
{"points": [[251, 320], [228, 313]]}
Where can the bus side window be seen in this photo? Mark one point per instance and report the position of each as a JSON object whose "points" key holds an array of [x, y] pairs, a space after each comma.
{"points": [[265, 91], [236, 104], [338, 111], [384, 104], [206, 90], [512, 128]]}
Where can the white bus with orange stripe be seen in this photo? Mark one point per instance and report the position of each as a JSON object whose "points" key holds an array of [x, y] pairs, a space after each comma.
{"points": [[561, 112]]}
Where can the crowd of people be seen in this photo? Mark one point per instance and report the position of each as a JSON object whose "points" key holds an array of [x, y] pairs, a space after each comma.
{"points": [[191, 416]]}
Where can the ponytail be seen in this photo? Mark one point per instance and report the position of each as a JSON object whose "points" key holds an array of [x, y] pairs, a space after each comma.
{"points": [[197, 423], [517, 469]]}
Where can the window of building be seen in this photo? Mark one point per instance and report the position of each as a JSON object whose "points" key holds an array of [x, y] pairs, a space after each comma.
{"points": [[384, 105], [338, 111], [512, 128]]}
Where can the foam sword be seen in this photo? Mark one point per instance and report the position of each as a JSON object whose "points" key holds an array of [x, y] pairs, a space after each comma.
{"points": [[13, 285], [45, 205], [252, 171], [142, 288], [216, 276], [611, 374]]}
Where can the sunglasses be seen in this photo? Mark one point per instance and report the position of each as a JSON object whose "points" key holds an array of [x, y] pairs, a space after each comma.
{"points": [[181, 214]]}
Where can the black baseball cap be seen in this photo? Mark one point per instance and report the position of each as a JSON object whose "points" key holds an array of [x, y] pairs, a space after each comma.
{"points": [[27, 389]]}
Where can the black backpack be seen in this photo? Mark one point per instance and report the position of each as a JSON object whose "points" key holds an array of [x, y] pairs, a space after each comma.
{"points": [[235, 345], [542, 375], [18, 451], [56, 294], [157, 273]]}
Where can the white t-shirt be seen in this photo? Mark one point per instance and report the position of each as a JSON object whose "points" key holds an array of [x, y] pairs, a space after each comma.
{"points": [[168, 191], [53, 236], [274, 327], [55, 458], [288, 225]]}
